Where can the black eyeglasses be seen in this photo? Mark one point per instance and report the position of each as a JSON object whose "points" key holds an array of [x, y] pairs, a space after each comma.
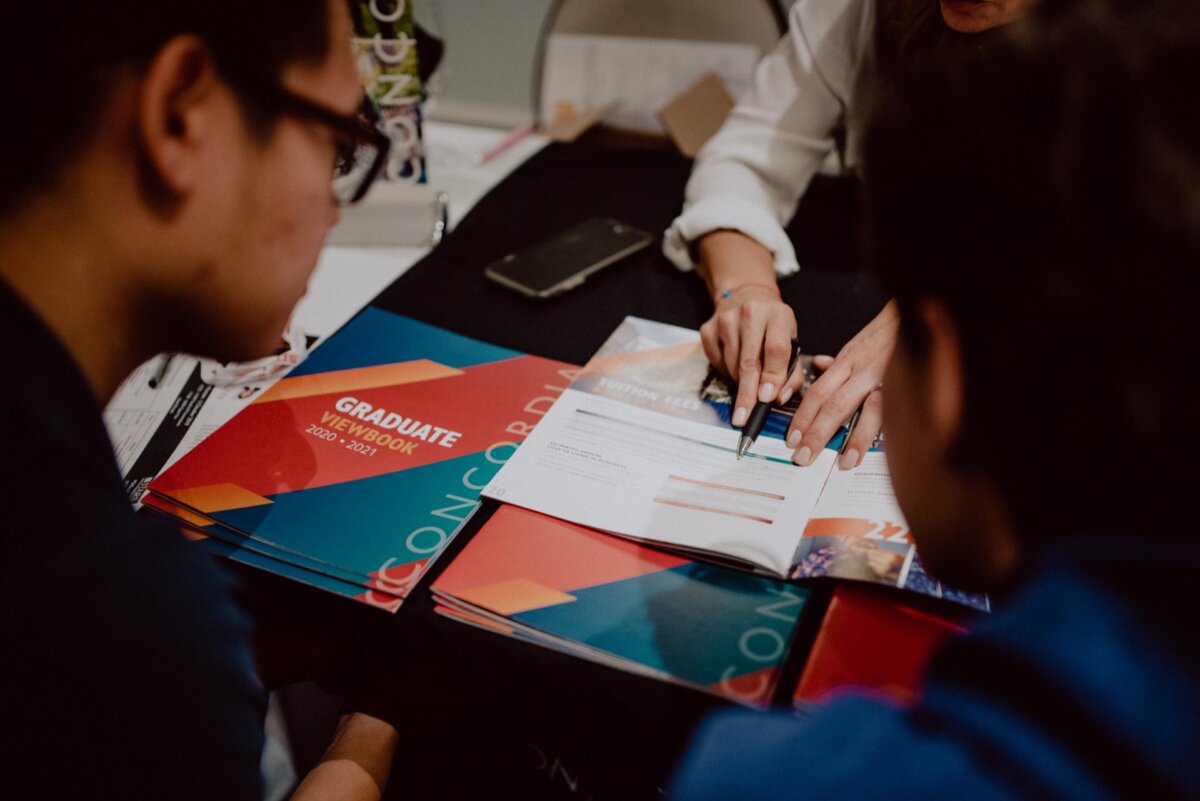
{"points": [[362, 149]]}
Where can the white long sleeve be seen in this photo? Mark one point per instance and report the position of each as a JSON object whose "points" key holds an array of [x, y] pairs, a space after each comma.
{"points": [[749, 177]]}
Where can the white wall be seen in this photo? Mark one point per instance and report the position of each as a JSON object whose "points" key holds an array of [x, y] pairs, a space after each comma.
{"points": [[487, 72]]}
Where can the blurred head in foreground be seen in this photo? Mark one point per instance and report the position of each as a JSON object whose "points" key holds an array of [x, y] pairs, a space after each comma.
{"points": [[1035, 210]]}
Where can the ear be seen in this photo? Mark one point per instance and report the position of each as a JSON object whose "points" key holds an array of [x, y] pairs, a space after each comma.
{"points": [[175, 111], [946, 397]]}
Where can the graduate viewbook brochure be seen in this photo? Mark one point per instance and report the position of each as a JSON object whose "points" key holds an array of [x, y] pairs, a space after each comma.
{"points": [[640, 445], [354, 471]]}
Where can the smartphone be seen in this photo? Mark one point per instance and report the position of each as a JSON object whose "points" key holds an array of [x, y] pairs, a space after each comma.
{"points": [[566, 259]]}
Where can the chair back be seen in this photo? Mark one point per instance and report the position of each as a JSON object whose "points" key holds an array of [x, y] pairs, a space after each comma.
{"points": [[642, 53]]}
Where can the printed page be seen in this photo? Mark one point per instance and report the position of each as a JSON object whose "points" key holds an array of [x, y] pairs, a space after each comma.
{"points": [[861, 502], [635, 448], [857, 531]]}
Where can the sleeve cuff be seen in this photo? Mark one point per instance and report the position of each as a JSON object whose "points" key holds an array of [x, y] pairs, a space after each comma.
{"points": [[728, 213]]}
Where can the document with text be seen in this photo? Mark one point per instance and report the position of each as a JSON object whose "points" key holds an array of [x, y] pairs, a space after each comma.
{"points": [[634, 447], [641, 445]]}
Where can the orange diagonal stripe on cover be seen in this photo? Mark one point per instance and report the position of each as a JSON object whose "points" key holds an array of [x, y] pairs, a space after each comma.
{"points": [[517, 595], [838, 527], [379, 375], [186, 515], [218, 498], [665, 354]]}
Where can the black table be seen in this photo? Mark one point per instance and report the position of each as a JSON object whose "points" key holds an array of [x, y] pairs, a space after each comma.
{"points": [[566, 184], [486, 716]]}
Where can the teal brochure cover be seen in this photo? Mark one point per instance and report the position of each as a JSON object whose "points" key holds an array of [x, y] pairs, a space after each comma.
{"points": [[614, 601]]}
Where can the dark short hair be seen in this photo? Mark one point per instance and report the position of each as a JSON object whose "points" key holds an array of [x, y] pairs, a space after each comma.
{"points": [[57, 64], [1046, 190]]}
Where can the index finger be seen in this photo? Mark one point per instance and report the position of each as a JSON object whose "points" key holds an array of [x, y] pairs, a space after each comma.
{"points": [[751, 333], [778, 348]]}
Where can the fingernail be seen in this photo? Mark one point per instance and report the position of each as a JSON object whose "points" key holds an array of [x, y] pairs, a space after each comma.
{"points": [[783, 396], [766, 393], [739, 416], [849, 459], [793, 438], [804, 456]]}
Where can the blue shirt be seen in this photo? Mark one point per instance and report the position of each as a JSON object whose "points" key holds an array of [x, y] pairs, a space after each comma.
{"points": [[126, 670], [1086, 685]]}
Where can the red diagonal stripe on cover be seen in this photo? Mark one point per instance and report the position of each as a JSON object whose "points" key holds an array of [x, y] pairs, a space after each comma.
{"points": [[520, 544], [294, 444]]}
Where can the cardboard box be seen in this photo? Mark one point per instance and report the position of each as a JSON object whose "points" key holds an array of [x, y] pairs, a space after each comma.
{"points": [[694, 116]]}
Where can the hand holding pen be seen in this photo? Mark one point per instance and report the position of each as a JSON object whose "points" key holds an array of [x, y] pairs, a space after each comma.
{"points": [[748, 339], [854, 445], [757, 418]]}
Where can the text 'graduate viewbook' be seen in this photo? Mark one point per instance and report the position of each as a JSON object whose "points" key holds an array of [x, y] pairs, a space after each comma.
{"points": [[623, 604], [362, 463], [640, 445]]}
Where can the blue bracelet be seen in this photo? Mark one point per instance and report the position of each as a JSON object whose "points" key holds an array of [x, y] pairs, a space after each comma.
{"points": [[725, 293]]}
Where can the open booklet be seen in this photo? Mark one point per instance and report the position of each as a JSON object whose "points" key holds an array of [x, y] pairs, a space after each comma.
{"points": [[640, 445]]}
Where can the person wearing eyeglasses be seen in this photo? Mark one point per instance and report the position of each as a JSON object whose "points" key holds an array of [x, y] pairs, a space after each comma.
{"points": [[808, 98], [169, 174]]}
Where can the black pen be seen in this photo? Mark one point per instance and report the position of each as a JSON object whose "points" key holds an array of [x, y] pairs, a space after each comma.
{"points": [[762, 410], [853, 424], [161, 372]]}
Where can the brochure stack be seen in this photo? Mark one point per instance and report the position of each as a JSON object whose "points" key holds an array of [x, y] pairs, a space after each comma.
{"points": [[353, 472]]}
